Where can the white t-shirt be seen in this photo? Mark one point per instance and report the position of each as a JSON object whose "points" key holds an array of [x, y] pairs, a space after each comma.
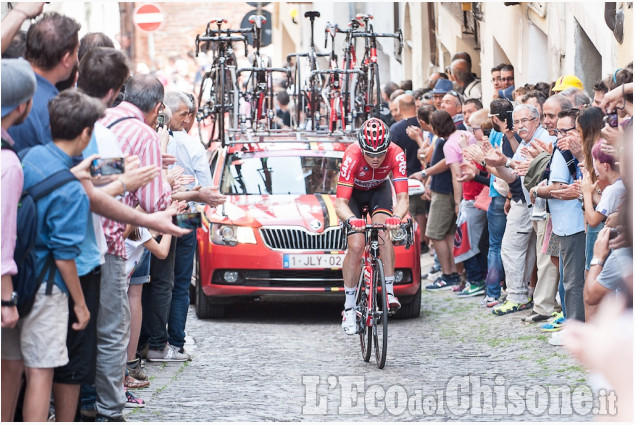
{"points": [[108, 147], [134, 250], [611, 198]]}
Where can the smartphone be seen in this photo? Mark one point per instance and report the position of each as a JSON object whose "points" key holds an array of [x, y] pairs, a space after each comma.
{"points": [[509, 118], [611, 120], [107, 166], [613, 233], [188, 220], [160, 121]]}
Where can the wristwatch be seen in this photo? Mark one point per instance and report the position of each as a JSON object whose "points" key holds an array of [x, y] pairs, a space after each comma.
{"points": [[596, 262], [423, 174], [508, 163], [12, 302]]}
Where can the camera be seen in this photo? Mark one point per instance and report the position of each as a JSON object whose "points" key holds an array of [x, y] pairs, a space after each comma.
{"points": [[611, 120], [188, 220], [107, 166]]}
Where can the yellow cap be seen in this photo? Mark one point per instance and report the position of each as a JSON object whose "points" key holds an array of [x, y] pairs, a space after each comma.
{"points": [[567, 81]]}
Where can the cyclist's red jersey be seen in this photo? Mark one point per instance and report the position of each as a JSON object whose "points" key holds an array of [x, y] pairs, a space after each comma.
{"points": [[355, 173]]}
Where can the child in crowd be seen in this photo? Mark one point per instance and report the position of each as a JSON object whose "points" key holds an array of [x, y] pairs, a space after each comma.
{"points": [[139, 245]]}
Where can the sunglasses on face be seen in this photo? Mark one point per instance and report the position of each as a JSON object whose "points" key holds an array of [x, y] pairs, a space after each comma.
{"points": [[375, 155], [507, 78]]}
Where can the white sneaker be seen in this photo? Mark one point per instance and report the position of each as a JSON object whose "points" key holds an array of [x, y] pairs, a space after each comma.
{"points": [[393, 303], [169, 354], [349, 321], [557, 338]]}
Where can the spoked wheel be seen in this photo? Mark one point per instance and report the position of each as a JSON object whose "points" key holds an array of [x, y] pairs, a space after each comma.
{"points": [[365, 333], [205, 117], [380, 315], [374, 90], [220, 116]]}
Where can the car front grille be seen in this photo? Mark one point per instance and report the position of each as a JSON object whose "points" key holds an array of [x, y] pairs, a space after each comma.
{"points": [[298, 238], [283, 278]]}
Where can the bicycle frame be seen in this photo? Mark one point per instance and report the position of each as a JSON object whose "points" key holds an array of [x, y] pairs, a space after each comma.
{"points": [[223, 66]]}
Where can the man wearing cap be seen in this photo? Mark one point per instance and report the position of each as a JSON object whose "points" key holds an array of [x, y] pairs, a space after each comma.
{"points": [[51, 49], [18, 86], [567, 81], [440, 89]]}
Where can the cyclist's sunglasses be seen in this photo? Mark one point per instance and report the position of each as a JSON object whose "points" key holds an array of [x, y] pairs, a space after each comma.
{"points": [[374, 155]]}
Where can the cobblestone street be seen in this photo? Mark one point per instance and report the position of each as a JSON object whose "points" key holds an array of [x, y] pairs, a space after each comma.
{"points": [[286, 362]]}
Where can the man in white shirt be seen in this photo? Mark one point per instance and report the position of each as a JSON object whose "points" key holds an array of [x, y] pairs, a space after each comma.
{"points": [[191, 155]]}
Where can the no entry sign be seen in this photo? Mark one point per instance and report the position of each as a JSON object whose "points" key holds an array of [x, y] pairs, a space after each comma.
{"points": [[148, 17]]}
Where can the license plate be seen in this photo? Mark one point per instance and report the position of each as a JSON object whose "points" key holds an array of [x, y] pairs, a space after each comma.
{"points": [[312, 261]]}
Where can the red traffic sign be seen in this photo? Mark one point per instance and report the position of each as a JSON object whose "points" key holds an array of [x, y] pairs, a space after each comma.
{"points": [[148, 17]]}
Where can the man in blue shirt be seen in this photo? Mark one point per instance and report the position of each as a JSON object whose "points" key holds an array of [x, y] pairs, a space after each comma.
{"points": [[51, 49], [61, 229], [568, 222]]}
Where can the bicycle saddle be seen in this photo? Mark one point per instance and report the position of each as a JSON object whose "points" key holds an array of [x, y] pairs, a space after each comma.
{"points": [[312, 14], [218, 20], [257, 19], [364, 16]]}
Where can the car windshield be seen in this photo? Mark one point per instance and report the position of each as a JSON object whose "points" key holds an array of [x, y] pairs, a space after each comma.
{"points": [[289, 173]]}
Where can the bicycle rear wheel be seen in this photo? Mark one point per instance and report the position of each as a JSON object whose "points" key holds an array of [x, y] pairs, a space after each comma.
{"points": [[374, 90], [365, 333], [380, 315]]}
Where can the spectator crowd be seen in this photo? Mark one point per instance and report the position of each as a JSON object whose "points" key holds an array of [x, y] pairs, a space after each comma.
{"points": [[527, 198], [527, 204], [117, 270]]}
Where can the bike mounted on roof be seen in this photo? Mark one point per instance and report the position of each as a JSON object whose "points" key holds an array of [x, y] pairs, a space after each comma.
{"points": [[326, 100]]}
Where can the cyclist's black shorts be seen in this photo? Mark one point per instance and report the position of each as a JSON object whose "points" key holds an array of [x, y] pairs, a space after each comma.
{"points": [[378, 200]]}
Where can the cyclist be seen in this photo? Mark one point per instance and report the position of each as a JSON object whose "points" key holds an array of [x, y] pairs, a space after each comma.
{"points": [[363, 181]]}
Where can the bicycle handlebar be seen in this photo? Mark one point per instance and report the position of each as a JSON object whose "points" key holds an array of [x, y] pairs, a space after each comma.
{"points": [[263, 69], [336, 71], [405, 226], [228, 31], [375, 34], [306, 55], [220, 38]]}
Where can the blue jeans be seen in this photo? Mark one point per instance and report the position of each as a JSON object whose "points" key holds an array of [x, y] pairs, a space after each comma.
{"points": [[561, 285], [473, 271], [437, 263], [591, 237], [183, 261], [496, 222], [141, 273], [156, 300]]}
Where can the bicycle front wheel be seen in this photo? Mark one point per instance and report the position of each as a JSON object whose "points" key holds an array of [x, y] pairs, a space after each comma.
{"points": [[380, 314], [365, 334], [220, 115]]}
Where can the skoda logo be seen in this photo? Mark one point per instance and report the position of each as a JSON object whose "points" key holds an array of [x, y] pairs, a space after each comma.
{"points": [[315, 225]]}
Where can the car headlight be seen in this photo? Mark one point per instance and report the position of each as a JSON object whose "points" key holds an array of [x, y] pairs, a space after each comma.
{"points": [[223, 234]]}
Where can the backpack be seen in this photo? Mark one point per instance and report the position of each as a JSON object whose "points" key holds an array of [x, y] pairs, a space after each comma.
{"points": [[25, 283]]}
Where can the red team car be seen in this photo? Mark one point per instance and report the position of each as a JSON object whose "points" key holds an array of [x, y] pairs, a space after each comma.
{"points": [[277, 237]]}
